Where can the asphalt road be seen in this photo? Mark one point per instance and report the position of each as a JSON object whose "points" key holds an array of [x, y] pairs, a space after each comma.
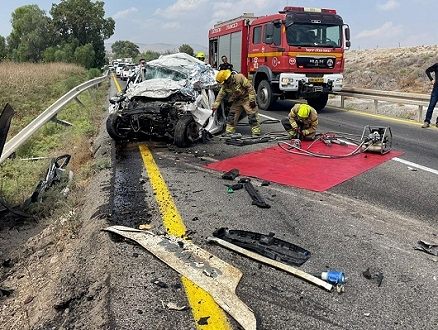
{"points": [[370, 221]]}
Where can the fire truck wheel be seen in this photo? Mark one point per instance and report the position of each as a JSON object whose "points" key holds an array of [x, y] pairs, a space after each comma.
{"points": [[265, 99], [318, 103]]}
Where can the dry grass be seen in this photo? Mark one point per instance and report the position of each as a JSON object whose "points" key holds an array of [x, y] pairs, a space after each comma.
{"points": [[392, 69], [30, 89]]}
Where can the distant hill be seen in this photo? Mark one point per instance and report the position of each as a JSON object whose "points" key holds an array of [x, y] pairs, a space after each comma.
{"points": [[161, 47], [390, 69]]}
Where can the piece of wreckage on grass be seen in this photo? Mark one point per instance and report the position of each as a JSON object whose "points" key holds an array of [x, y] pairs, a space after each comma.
{"points": [[172, 104], [55, 183]]}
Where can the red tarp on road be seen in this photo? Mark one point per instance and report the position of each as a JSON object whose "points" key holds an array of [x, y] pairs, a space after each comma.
{"points": [[314, 173]]}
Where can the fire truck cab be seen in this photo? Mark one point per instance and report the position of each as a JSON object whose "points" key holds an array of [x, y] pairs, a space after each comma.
{"points": [[295, 54]]}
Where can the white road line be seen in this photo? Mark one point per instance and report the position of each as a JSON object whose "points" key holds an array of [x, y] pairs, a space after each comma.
{"points": [[414, 165], [424, 168], [270, 118]]}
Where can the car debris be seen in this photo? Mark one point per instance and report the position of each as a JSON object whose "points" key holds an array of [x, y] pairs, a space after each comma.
{"points": [[191, 261], [274, 263], [257, 199], [371, 274], [54, 175], [159, 283], [233, 187], [231, 174], [5, 123], [427, 247], [173, 306], [266, 245]]}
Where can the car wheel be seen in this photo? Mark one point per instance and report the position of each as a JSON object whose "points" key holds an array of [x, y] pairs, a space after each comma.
{"points": [[186, 131], [115, 128]]}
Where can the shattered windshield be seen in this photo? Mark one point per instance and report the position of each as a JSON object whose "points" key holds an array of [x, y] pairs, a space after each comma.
{"points": [[175, 72], [314, 35]]}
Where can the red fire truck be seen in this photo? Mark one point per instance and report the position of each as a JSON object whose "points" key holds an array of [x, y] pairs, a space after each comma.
{"points": [[295, 54]]}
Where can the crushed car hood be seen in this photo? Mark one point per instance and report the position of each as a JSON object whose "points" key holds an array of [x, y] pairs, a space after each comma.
{"points": [[159, 88], [174, 73]]}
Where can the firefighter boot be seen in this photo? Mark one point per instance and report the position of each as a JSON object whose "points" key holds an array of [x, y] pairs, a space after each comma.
{"points": [[230, 130], [255, 131]]}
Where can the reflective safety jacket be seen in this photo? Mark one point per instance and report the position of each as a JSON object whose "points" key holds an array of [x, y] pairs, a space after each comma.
{"points": [[308, 124], [238, 87]]}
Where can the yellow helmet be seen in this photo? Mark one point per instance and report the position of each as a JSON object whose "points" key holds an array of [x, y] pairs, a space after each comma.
{"points": [[200, 55], [304, 111], [222, 76]]}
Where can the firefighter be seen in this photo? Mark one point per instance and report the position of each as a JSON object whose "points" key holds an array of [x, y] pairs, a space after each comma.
{"points": [[201, 56], [302, 122], [242, 95]]}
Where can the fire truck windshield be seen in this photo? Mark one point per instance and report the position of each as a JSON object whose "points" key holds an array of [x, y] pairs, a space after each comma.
{"points": [[314, 35]]}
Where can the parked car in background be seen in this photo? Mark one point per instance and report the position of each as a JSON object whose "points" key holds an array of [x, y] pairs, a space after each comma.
{"points": [[119, 69], [127, 72]]}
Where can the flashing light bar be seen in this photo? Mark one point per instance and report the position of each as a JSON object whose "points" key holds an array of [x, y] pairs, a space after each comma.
{"points": [[309, 9]]}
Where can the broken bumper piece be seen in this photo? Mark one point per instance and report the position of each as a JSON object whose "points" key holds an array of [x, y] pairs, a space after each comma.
{"points": [[265, 245]]}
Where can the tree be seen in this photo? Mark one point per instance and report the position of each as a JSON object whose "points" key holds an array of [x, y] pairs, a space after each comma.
{"points": [[3, 49], [32, 32], [61, 53], [83, 22], [150, 55], [126, 48], [186, 49], [84, 56]]}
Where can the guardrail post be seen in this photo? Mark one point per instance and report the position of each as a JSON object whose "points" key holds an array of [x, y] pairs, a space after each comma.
{"points": [[342, 101], [420, 113], [78, 101], [376, 102], [60, 121]]}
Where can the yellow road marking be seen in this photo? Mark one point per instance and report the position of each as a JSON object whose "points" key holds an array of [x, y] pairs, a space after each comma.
{"points": [[364, 113], [201, 302], [119, 89]]}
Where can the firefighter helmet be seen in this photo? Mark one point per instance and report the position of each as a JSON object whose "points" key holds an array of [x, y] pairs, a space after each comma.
{"points": [[222, 76], [200, 56], [304, 111]]}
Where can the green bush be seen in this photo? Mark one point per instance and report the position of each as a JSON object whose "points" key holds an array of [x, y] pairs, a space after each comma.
{"points": [[94, 73]]}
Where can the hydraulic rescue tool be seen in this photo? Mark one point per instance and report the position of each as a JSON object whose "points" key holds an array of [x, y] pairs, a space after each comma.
{"points": [[377, 139]]}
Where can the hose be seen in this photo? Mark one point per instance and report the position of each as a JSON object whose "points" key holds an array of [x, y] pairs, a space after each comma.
{"points": [[297, 150]]}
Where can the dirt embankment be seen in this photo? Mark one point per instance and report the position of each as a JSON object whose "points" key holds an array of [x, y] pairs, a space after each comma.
{"points": [[391, 69]]}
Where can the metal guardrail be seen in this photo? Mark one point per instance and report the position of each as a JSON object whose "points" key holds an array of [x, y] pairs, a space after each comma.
{"points": [[421, 100], [50, 113]]}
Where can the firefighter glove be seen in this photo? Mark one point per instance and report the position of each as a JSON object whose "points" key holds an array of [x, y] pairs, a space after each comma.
{"points": [[305, 132], [252, 103]]}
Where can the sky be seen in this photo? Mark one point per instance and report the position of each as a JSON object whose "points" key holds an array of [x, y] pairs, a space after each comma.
{"points": [[373, 23]]}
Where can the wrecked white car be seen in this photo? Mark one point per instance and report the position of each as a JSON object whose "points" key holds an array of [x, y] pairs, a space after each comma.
{"points": [[173, 103]]}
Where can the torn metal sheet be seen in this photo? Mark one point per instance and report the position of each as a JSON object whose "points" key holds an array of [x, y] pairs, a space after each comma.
{"points": [[210, 273], [273, 263]]}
